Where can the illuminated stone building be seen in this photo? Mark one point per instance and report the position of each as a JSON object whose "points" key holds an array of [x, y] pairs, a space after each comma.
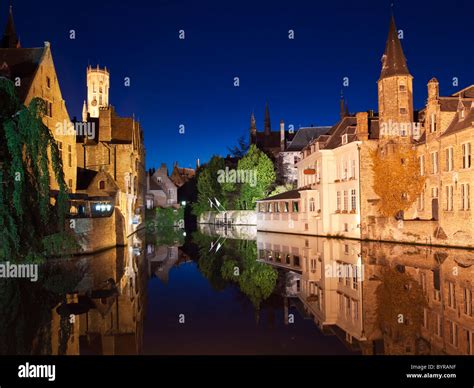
{"points": [[113, 144]]}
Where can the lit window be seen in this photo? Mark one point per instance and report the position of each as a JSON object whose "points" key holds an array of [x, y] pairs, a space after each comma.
{"points": [[449, 198], [421, 201], [421, 161], [434, 162], [449, 159], [69, 155], [451, 294], [466, 155], [465, 197], [453, 333], [467, 301]]}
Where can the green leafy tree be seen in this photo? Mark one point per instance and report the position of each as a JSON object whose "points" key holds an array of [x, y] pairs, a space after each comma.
{"points": [[31, 223], [281, 189], [250, 192], [208, 186]]}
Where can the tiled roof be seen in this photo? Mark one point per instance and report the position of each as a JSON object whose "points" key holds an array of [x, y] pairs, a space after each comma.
{"points": [[22, 63], [459, 124], [292, 194], [466, 92], [450, 104], [122, 129], [393, 60], [304, 136], [84, 178], [341, 128]]}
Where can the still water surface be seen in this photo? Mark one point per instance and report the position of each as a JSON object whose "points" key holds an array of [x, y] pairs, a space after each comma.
{"points": [[242, 292]]}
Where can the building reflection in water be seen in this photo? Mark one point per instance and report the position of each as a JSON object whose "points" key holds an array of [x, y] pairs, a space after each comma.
{"points": [[104, 314], [374, 298], [378, 298]]}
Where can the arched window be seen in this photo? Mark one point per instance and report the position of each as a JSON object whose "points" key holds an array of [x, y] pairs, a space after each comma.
{"points": [[102, 185]]}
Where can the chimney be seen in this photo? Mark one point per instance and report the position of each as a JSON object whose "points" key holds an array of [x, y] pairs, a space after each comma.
{"points": [[362, 126], [164, 168], [282, 135], [433, 90]]}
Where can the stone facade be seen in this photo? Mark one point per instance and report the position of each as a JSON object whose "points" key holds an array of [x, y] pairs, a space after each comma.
{"points": [[117, 148], [160, 189]]}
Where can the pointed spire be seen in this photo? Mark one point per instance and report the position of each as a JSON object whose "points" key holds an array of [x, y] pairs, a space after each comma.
{"points": [[10, 39], [267, 124], [393, 59], [84, 111], [253, 122]]}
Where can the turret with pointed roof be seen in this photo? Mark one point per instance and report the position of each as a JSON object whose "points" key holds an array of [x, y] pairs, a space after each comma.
{"points": [[395, 85], [393, 59], [10, 38]]}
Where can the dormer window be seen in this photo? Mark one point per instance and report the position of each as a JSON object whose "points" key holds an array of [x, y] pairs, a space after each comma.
{"points": [[344, 138]]}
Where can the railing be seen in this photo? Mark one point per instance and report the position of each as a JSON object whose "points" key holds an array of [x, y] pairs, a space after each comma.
{"points": [[90, 209]]}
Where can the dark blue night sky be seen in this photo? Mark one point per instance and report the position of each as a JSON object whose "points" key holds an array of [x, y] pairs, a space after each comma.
{"points": [[190, 81]]}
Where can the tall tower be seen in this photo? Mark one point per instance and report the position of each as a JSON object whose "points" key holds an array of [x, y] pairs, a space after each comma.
{"points": [[98, 82], [395, 85]]}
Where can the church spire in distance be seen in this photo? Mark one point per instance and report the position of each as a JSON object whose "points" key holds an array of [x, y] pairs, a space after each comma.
{"points": [[10, 38], [267, 124], [393, 59]]}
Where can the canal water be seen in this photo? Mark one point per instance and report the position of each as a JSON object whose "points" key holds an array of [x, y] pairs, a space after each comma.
{"points": [[236, 291]]}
